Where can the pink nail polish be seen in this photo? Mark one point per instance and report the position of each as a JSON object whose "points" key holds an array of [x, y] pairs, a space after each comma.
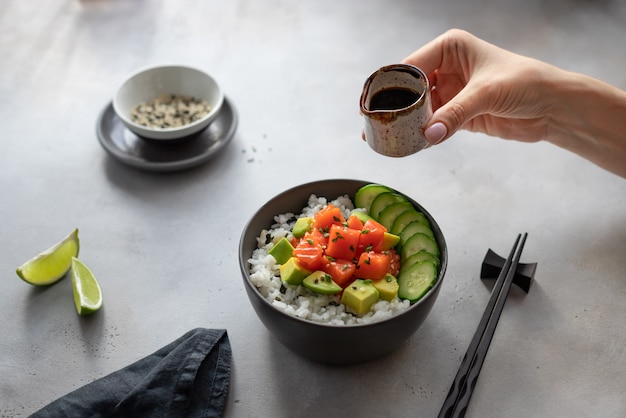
{"points": [[435, 133]]}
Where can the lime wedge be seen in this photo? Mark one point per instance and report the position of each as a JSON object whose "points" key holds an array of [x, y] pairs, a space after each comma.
{"points": [[87, 292], [52, 264]]}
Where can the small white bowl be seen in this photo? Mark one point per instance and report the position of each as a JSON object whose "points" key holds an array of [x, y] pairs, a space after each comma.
{"points": [[150, 83]]}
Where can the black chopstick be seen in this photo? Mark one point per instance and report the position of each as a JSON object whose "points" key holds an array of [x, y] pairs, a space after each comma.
{"points": [[458, 398]]}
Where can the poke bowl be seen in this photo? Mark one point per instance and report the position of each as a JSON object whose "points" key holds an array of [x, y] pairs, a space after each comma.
{"points": [[368, 291]]}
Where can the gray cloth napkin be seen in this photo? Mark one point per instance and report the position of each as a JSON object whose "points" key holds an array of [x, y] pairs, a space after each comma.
{"points": [[187, 378]]}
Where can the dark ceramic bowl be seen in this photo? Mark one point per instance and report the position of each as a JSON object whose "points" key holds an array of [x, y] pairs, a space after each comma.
{"points": [[350, 343]]}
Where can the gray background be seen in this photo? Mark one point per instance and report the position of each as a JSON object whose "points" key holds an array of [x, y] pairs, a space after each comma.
{"points": [[164, 246]]}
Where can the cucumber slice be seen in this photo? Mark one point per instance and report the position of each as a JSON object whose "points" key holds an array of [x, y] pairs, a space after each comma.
{"points": [[417, 243], [415, 281], [420, 257], [414, 228], [382, 201], [391, 212], [406, 218], [366, 195]]}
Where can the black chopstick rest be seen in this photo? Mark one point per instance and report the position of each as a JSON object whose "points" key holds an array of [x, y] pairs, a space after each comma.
{"points": [[493, 263], [457, 401]]}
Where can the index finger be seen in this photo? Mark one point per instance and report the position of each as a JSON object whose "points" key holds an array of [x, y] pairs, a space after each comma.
{"points": [[429, 57]]}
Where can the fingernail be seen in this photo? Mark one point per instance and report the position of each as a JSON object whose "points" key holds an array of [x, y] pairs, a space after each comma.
{"points": [[435, 133]]}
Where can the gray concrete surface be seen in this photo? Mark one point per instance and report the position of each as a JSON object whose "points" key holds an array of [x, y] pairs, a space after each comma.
{"points": [[164, 246]]}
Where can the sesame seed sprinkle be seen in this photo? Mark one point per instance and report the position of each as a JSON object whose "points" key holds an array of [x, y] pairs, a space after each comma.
{"points": [[169, 111]]}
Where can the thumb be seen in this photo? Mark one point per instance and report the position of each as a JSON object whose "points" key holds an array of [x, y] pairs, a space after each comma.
{"points": [[451, 117]]}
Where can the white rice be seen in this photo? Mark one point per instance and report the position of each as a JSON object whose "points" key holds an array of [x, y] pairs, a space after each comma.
{"points": [[298, 300]]}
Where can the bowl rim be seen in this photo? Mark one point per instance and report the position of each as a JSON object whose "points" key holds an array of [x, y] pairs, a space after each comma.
{"points": [[209, 116], [244, 265]]}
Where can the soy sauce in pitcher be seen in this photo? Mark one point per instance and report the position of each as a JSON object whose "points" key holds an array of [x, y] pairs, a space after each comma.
{"points": [[393, 98]]}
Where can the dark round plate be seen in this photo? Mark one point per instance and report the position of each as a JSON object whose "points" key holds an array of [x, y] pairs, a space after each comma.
{"points": [[152, 155]]}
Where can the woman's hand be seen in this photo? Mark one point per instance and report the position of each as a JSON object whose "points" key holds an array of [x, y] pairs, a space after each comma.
{"points": [[480, 87]]}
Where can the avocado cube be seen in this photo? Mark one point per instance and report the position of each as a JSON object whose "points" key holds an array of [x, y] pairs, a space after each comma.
{"points": [[390, 240], [281, 251], [363, 217], [302, 226], [360, 296], [321, 282], [292, 272], [387, 287]]}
